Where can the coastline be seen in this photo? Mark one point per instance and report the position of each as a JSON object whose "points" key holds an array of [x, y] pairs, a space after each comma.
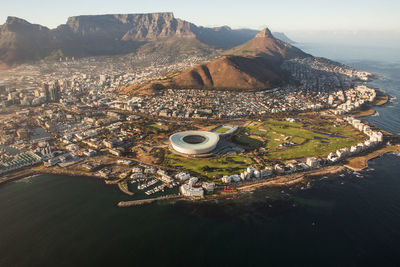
{"points": [[123, 187], [17, 176], [364, 113], [383, 100], [361, 162], [291, 179], [356, 163], [21, 174]]}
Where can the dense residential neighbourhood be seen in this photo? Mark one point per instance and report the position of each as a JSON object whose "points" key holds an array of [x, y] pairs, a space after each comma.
{"points": [[72, 113]]}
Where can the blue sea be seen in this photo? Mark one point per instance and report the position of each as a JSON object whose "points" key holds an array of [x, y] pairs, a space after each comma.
{"points": [[347, 220]]}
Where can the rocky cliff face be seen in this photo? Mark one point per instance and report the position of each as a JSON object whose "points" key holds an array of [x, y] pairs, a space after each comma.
{"points": [[136, 27], [21, 41]]}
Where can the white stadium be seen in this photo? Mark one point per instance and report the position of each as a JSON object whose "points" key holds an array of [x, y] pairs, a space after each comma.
{"points": [[194, 142]]}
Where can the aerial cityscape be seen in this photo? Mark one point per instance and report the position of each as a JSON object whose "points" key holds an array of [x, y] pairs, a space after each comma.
{"points": [[173, 115]]}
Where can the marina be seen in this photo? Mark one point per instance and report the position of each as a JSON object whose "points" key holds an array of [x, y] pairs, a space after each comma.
{"points": [[147, 184], [156, 189]]}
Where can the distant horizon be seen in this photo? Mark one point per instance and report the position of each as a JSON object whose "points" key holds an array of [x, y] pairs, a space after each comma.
{"points": [[259, 27], [287, 15], [366, 37]]}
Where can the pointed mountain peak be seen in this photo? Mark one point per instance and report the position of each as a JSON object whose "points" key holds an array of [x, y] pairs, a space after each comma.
{"points": [[265, 33], [264, 44]]}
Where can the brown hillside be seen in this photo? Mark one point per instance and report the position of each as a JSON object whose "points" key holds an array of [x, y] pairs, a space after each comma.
{"points": [[264, 44], [254, 65], [229, 72]]}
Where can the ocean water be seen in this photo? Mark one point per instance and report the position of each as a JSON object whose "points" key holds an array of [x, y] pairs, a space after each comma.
{"points": [[383, 61], [347, 220]]}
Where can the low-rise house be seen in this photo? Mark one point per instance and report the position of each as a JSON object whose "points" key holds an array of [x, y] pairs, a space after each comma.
{"points": [[290, 166], [355, 149], [226, 179], [88, 166], [266, 172], [235, 178], [279, 168], [166, 179], [332, 157], [110, 143], [342, 153], [257, 174], [115, 152], [72, 147], [312, 162], [370, 143], [303, 166], [209, 187], [161, 172], [193, 180], [377, 136], [182, 176], [361, 146], [124, 162], [89, 153], [51, 162], [190, 191]]}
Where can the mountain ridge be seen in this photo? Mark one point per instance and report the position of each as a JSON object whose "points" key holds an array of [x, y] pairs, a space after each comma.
{"points": [[264, 44], [92, 35], [254, 65]]}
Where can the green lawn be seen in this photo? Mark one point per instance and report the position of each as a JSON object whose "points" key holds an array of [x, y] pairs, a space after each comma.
{"points": [[159, 127], [210, 168], [298, 140], [310, 139], [248, 141], [221, 130], [313, 138]]}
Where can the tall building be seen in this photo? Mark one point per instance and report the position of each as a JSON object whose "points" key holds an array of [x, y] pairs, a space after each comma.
{"points": [[331, 99], [52, 91], [45, 90], [53, 94]]}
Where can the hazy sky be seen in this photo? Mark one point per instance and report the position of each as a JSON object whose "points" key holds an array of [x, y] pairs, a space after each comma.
{"points": [[279, 15]]}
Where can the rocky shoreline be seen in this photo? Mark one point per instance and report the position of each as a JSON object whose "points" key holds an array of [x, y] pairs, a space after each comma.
{"points": [[288, 180], [355, 164], [360, 163]]}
